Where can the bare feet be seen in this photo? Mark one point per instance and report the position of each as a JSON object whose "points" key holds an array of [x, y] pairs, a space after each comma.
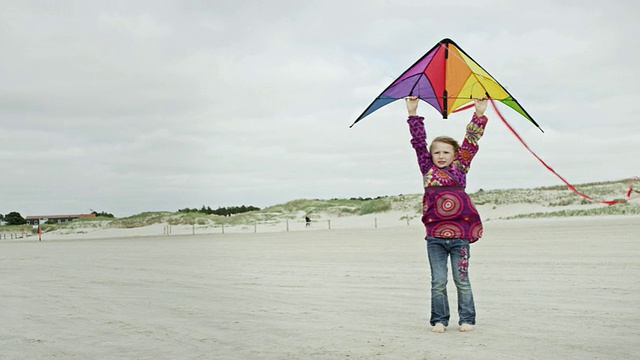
{"points": [[438, 328], [466, 327]]}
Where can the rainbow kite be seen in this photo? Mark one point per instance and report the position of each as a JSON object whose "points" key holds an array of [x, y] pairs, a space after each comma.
{"points": [[447, 79]]}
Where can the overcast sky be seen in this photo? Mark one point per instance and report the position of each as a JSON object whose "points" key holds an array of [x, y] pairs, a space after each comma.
{"points": [[132, 106]]}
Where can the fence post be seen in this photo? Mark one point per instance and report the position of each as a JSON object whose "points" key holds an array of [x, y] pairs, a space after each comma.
{"points": [[329, 223], [407, 219], [255, 226], [223, 228], [193, 228], [376, 222], [287, 221]]}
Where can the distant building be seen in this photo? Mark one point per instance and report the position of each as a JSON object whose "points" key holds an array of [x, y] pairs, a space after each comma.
{"points": [[41, 219]]}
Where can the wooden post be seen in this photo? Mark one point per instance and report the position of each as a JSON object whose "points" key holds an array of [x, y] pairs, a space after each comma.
{"points": [[223, 228], [376, 222], [329, 223], [287, 221], [255, 226], [407, 219], [194, 228]]}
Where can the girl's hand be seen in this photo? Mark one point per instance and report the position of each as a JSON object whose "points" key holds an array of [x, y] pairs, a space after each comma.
{"points": [[412, 105], [481, 106]]}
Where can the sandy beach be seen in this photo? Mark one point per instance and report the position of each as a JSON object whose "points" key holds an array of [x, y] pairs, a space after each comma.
{"points": [[560, 288]]}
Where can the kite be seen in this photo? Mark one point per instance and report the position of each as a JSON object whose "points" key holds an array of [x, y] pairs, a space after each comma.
{"points": [[446, 78]]}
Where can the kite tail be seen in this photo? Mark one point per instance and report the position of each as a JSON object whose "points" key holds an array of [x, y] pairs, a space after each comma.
{"points": [[571, 187]]}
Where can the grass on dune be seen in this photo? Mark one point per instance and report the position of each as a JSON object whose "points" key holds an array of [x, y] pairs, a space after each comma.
{"points": [[551, 196]]}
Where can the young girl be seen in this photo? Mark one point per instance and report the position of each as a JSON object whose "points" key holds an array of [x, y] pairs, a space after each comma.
{"points": [[450, 217]]}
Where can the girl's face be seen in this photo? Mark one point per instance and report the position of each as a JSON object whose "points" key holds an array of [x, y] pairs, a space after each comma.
{"points": [[442, 154]]}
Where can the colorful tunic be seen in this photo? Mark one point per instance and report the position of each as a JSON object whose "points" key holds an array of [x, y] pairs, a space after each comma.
{"points": [[448, 212]]}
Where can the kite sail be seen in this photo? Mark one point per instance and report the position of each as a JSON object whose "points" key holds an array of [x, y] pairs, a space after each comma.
{"points": [[447, 78]]}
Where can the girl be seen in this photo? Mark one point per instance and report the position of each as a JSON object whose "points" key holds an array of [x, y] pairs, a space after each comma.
{"points": [[450, 217]]}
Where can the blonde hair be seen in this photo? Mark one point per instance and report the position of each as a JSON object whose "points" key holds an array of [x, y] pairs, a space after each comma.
{"points": [[447, 140]]}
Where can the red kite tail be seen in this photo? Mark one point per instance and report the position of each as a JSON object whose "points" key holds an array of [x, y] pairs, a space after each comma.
{"points": [[571, 187]]}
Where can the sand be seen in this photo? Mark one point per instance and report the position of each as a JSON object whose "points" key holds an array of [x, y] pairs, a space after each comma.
{"points": [[545, 289]]}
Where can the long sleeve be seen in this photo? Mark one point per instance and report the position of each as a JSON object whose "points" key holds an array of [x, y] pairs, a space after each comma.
{"points": [[447, 210], [469, 147], [419, 142]]}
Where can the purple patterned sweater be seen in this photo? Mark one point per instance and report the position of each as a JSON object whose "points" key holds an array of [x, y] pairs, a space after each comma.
{"points": [[448, 212]]}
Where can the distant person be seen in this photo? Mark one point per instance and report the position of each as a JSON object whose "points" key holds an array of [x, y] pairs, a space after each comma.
{"points": [[307, 221], [450, 217]]}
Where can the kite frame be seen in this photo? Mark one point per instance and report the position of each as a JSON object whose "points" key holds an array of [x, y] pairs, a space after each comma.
{"points": [[444, 43]]}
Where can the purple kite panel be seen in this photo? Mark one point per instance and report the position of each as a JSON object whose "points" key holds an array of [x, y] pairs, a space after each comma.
{"points": [[417, 68]]}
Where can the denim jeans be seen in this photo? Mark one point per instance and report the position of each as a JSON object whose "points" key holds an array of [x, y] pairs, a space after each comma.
{"points": [[439, 251]]}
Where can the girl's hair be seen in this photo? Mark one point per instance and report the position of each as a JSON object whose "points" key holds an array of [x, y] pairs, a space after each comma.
{"points": [[447, 140]]}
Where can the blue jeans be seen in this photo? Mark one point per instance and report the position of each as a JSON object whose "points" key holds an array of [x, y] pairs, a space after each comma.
{"points": [[439, 251]]}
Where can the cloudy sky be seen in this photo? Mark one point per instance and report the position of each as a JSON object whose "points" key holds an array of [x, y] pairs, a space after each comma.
{"points": [[132, 106]]}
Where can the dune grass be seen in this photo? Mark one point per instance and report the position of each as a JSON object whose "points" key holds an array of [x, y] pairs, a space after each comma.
{"points": [[411, 204], [552, 195], [618, 209]]}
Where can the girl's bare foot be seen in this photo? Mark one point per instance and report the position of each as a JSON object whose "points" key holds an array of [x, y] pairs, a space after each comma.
{"points": [[466, 327], [438, 328]]}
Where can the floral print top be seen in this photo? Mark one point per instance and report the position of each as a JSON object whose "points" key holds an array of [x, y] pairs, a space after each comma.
{"points": [[448, 212]]}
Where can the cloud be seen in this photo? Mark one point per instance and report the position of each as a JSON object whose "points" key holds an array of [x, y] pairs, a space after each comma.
{"points": [[127, 107]]}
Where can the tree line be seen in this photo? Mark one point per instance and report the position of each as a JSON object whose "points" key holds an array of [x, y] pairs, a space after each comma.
{"points": [[222, 211], [14, 217]]}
